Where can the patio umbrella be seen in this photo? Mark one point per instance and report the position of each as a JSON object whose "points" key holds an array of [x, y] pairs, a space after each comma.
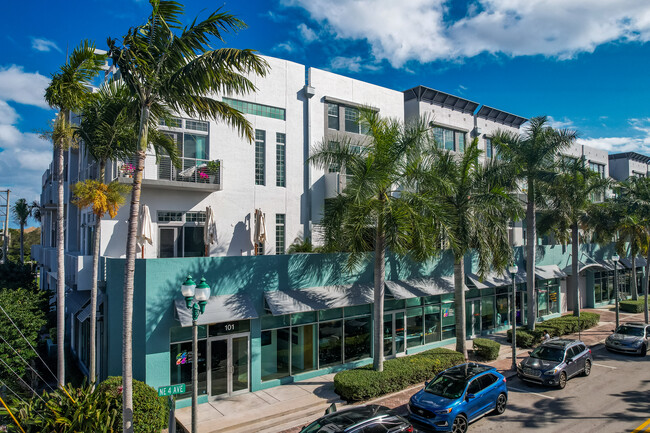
{"points": [[260, 228], [210, 230], [145, 228]]}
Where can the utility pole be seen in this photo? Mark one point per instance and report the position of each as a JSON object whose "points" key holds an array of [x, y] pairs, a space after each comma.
{"points": [[4, 212]]}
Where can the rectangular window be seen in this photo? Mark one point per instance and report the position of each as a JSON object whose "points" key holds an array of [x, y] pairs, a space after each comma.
{"points": [[333, 168], [330, 335], [174, 122], [275, 353], [333, 116], [303, 348], [448, 321], [598, 168], [195, 217], [488, 147], [449, 139], [260, 156], [431, 323], [460, 137], [357, 338], [195, 146], [256, 109], [167, 216], [352, 120], [280, 159], [279, 233], [414, 327], [196, 125], [181, 359]]}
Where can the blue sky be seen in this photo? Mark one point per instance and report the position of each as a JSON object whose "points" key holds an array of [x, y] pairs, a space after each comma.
{"points": [[585, 63]]}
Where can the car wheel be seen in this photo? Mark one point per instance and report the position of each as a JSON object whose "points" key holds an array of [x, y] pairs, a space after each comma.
{"points": [[562, 382], [459, 425], [644, 350], [587, 369], [501, 403]]}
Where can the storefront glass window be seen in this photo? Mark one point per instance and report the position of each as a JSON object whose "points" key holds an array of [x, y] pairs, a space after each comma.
{"points": [[357, 338], [448, 321], [303, 349], [181, 357], [554, 299], [432, 324], [330, 335], [179, 333], [275, 353], [335, 313], [503, 310], [542, 302], [414, 329], [487, 313]]}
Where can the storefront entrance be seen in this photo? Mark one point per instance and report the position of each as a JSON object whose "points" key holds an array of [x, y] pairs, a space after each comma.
{"points": [[393, 333], [228, 365]]}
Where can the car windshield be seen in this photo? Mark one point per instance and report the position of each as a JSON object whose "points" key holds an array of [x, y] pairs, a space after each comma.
{"points": [[446, 386], [630, 330], [548, 353]]}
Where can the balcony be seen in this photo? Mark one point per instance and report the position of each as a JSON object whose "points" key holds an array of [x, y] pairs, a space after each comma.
{"points": [[35, 253], [78, 271], [335, 183], [194, 174]]}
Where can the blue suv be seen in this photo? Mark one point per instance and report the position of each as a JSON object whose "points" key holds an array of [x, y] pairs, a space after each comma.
{"points": [[459, 396]]}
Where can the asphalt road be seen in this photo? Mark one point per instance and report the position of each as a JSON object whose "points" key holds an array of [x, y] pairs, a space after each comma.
{"points": [[614, 398]]}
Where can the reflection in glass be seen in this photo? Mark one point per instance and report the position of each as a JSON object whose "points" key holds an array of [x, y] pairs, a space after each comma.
{"points": [[487, 313], [414, 327], [503, 310], [448, 321], [388, 335], [219, 367], [329, 343], [181, 366], [399, 332], [302, 349], [275, 353], [193, 245], [357, 338], [239, 364], [432, 323]]}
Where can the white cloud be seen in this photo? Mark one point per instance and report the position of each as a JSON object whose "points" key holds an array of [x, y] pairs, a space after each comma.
{"points": [[637, 143], [41, 44], [565, 123], [288, 47], [421, 30], [353, 64], [306, 34], [23, 87]]}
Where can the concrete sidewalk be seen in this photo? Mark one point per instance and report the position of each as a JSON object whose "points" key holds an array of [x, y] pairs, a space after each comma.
{"points": [[287, 408]]}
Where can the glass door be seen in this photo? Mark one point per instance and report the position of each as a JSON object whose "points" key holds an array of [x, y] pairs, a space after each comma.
{"points": [[473, 318], [522, 311], [229, 359]]}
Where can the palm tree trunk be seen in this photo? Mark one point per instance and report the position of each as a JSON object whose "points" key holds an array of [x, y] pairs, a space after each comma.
{"points": [[459, 305], [93, 287], [531, 244], [647, 284], [380, 265], [22, 238], [60, 270], [575, 247], [635, 292], [129, 270]]}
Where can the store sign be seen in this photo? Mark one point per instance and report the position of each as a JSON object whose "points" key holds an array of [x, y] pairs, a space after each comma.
{"points": [[166, 391]]}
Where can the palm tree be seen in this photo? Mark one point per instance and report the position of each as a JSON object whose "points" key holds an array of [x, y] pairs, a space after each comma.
{"points": [[165, 64], [372, 214], [532, 154], [568, 201], [67, 92], [21, 212], [35, 210], [108, 129], [478, 206]]}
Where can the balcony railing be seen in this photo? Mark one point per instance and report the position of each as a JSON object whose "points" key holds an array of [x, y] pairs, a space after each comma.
{"points": [[192, 170]]}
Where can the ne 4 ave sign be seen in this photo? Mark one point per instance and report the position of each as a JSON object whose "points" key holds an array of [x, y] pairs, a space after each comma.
{"points": [[166, 391]]}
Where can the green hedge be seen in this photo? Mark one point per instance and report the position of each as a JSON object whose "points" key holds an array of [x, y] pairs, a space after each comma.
{"points": [[486, 349], [632, 306], [365, 383], [556, 328], [150, 412]]}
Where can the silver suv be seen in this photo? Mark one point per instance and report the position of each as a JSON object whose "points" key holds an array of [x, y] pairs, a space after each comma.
{"points": [[631, 337], [556, 361]]}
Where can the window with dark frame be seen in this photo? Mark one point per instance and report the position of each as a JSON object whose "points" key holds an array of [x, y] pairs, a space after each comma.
{"points": [[260, 156]]}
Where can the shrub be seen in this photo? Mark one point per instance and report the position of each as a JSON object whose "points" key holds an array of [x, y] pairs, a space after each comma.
{"points": [[525, 337], [149, 411], [486, 349], [555, 327], [632, 306], [365, 383]]}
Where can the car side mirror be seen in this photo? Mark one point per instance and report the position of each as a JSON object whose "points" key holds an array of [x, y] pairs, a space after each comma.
{"points": [[469, 396], [426, 383]]}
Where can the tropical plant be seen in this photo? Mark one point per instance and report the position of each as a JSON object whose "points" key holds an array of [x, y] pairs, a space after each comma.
{"points": [[568, 201], [532, 155], [300, 245], [166, 65], [380, 208], [478, 208], [20, 211], [68, 91], [35, 211], [108, 128]]}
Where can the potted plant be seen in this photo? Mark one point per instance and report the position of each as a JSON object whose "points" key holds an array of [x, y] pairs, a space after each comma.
{"points": [[212, 169], [128, 170]]}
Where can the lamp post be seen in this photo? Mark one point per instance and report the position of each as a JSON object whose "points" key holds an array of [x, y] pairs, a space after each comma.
{"points": [[513, 269], [200, 294], [616, 258]]}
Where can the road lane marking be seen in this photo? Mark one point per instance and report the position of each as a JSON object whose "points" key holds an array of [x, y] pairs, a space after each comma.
{"points": [[606, 366], [528, 392], [642, 427]]}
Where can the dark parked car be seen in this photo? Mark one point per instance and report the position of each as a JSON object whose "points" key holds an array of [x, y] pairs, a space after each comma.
{"points": [[459, 396], [631, 337], [360, 419], [556, 361]]}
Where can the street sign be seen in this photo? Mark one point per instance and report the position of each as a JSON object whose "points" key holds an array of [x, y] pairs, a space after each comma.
{"points": [[166, 391]]}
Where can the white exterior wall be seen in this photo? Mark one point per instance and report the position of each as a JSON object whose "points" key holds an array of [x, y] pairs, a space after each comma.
{"points": [[326, 84], [234, 206]]}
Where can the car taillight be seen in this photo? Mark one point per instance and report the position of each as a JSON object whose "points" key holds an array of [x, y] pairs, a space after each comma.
{"points": [[409, 429], [505, 380]]}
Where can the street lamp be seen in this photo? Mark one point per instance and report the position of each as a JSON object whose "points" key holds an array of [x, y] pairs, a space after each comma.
{"points": [[513, 269], [616, 258], [200, 294]]}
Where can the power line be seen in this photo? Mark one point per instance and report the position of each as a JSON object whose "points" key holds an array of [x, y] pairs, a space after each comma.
{"points": [[26, 363], [23, 381], [21, 399], [30, 344]]}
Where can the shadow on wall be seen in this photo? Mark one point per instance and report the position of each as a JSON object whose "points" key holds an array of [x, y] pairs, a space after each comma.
{"points": [[241, 243]]}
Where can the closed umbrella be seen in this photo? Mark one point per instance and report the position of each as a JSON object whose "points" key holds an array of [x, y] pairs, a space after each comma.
{"points": [[210, 230], [145, 228], [260, 228]]}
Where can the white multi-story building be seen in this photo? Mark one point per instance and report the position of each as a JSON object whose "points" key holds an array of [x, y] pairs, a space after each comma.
{"points": [[628, 164]]}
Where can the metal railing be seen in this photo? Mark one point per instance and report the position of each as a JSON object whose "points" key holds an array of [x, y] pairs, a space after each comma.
{"points": [[192, 170]]}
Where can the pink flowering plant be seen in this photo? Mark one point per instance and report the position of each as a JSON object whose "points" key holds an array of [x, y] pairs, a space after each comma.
{"points": [[128, 169]]}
